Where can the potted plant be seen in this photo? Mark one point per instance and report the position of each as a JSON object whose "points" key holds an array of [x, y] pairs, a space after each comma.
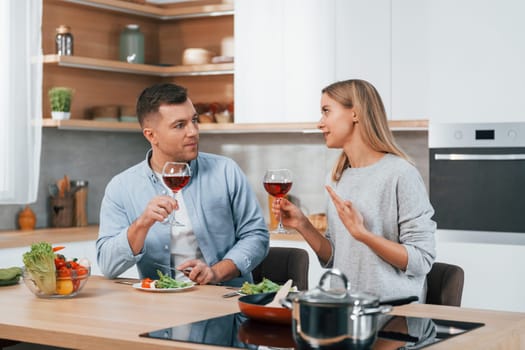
{"points": [[60, 100]]}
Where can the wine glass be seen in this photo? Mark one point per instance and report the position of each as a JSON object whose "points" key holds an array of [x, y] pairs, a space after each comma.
{"points": [[175, 175], [278, 182]]}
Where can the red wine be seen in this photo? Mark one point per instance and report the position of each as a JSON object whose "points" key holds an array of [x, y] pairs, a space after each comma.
{"points": [[176, 182], [277, 189]]}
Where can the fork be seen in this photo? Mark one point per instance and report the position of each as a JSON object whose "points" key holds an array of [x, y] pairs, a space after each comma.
{"points": [[186, 271]]}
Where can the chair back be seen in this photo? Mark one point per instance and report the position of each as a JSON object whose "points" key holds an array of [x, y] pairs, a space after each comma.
{"points": [[283, 263], [445, 284]]}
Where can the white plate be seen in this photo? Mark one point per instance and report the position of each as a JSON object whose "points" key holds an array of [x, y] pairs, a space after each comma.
{"points": [[162, 290]]}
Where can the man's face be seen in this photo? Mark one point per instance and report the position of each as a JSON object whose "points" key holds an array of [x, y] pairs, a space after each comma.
{"points": [[174, 132]]}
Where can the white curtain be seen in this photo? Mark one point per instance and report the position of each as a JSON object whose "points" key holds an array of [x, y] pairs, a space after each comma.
{"points": [[20, 100]]}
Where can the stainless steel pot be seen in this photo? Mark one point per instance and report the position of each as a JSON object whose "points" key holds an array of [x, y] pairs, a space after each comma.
{"points": [[335, 318]]}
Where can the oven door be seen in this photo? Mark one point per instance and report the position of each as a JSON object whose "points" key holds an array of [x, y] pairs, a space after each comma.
{"points": [[480, 189]]}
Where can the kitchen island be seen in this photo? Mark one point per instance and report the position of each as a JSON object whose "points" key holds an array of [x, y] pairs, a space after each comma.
{"points": [[109, 315]]}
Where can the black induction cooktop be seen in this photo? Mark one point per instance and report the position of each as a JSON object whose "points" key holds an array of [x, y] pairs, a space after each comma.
{"points": [[237, 331]]}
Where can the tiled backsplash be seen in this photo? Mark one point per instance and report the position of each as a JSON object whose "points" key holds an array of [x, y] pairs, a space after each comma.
{"points": [[97, 156]]}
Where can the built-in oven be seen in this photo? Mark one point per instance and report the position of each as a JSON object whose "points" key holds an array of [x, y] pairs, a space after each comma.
{"points": [[477, 176]]}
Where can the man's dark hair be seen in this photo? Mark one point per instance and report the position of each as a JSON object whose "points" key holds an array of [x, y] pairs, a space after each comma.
{"points": [[156, 95]]}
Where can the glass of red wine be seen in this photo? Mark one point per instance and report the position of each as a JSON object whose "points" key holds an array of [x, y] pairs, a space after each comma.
{"points": [[278, 182], [176, 175]]}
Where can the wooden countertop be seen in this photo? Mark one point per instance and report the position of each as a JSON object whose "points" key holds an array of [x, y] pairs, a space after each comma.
{"points": [[18, 238], [107, 315]]}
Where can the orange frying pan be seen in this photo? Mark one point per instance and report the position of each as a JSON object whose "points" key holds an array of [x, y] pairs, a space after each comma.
{"points": [[253, 306]]}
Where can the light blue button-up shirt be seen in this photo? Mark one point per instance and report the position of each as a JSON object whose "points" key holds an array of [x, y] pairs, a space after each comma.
{"points": [[224, 213]]}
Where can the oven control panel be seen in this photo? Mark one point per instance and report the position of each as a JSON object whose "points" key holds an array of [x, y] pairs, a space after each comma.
{"points": [[453, 135]]}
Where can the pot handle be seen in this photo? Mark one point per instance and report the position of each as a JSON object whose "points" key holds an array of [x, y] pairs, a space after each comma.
{"points": [[383, 309], [337, 273], [398, 302]]}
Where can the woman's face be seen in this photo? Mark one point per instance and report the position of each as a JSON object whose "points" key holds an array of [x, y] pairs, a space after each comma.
{"points": [[336, 122]]}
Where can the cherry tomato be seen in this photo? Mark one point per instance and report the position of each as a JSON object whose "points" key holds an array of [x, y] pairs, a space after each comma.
{"points": [[64, 272], [146, 283]]}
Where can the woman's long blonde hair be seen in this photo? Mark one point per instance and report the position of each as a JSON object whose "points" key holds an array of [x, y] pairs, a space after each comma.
{"points": [[367, 104]]}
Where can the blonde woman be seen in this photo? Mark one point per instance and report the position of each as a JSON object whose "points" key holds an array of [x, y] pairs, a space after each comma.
{"points": [[380, 232]]}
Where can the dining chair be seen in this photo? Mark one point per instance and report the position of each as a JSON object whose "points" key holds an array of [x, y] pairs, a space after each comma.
{"points": [[283, 263], [445, 284]]}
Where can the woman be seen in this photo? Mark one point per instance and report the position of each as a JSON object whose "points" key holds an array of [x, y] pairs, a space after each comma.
{"points": [[380, 232]]}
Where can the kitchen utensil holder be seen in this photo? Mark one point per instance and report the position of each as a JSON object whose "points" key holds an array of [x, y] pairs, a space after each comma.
{"points": [[62, 211]]}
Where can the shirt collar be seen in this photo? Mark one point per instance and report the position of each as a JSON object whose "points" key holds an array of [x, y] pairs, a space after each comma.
{"points": [[151, 174]]}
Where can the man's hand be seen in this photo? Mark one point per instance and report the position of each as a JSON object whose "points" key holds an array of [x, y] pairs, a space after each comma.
{"points": [[201, 273], [197, 271], [158, 209]]}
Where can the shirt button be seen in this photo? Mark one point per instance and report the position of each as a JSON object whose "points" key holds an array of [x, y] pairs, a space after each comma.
{"points": [[166, 247]]}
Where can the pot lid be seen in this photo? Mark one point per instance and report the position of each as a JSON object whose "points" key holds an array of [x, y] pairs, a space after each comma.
{"points": [[342, 296]]}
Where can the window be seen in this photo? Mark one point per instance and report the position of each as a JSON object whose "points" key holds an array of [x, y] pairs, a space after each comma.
{"points": [[21, 100]]}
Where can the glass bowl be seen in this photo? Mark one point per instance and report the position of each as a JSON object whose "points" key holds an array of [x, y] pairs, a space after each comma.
{"points": [[65, 286]]}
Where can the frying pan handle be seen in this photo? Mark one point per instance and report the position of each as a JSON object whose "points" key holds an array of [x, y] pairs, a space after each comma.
{"points": [[399, 301], [287, 303]]}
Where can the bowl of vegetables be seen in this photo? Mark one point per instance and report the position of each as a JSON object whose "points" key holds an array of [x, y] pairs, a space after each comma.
{"points": [[49, 274]]}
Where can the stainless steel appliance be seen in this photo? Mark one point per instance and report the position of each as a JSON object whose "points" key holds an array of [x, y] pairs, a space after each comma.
{"points": [[477, 176]]}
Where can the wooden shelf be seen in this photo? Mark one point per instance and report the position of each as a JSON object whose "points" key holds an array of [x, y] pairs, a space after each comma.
{"points": [[231, 128], [159, 12], [141, 69]]}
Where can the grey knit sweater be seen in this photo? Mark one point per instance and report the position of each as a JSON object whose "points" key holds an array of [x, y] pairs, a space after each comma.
{"points": [[391, 196]]}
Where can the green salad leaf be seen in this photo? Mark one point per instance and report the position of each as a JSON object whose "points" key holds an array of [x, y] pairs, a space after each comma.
{"points": [[265, 286], [40, 263], [166, 281]]}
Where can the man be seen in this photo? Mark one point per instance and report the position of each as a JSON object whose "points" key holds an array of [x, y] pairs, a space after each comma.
{"points": [[224, 234]]}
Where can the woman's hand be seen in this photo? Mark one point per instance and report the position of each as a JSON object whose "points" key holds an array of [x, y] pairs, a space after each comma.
{"points": [[392, 252], [349, 215], [291, 215]]}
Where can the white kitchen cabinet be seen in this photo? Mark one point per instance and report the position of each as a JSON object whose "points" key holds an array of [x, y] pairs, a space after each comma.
{"points": [[287, 51], [363, 44], [409, 60], [476, 55], [284, 56]]}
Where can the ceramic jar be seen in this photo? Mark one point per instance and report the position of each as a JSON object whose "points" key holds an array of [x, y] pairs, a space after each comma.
{"points": [[27, 219], [132, 44]]}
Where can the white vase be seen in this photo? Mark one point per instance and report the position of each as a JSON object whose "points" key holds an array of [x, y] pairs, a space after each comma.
{"points": [[60, 115]]}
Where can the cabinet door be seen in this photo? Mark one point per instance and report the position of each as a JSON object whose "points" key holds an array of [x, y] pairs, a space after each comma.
{"points": [[362, 45], [409, 59], [476, 52], [284, 56]]}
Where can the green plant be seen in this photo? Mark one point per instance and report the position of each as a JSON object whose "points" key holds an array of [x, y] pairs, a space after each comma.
{"points": [[60, 98]]}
